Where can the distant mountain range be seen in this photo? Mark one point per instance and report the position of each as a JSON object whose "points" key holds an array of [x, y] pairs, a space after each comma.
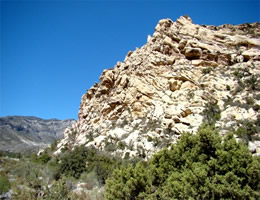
{"points": [[23, 134]]}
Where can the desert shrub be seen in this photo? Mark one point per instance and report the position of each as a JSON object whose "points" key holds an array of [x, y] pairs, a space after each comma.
{"points": [[257, 96], [58, 190], [83, 159], [211, 113], [252, 82], [74, 163], [257, 122], [83, 195], [256, 107], [24, 194], [90, 179], [4, 183], [247, 105], [121, 145], [90, 137], [246, 130], [43, 158], [149, 139], [228, 87], [10, 154], [250, 100], [103, 166], [65, 149], [206, 70], [127, 155], [29, 171], [241, 73], [201, 166], [127, 182], [110, 146]]}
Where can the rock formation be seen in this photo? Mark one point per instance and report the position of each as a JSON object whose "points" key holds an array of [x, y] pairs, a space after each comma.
{"points": [[185, 74]]}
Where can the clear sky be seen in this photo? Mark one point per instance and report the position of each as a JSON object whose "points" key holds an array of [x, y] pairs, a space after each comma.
{"points": [[52, 52]]}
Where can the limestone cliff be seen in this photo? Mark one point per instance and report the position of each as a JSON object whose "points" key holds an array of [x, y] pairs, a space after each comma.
{"points": [[184, 75]]}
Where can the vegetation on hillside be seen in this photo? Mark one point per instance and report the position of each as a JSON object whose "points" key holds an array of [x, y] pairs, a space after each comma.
{"points": [[200, 166]]}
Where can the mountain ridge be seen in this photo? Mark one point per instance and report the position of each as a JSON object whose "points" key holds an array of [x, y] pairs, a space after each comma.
{"points": [[29, 133], [185, 75]]}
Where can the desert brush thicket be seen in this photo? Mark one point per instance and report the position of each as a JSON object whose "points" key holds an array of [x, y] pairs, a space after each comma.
{"points": [[200, 166]]}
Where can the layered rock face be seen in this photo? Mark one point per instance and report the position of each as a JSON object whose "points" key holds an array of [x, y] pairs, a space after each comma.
{"points": [[185, 75]]}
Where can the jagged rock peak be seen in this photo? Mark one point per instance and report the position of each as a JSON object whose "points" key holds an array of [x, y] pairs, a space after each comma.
{"points": [[184, 75]]}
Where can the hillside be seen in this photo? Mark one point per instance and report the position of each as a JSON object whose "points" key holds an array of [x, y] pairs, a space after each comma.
{"points": [[19, 133], [177, 119], [185, 74]]}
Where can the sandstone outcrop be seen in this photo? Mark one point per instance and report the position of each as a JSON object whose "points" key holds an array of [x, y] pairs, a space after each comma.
{"points": [[184, 75]]}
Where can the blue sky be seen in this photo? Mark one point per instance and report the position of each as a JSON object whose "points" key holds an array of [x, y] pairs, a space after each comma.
{"points": [[53, 51]]}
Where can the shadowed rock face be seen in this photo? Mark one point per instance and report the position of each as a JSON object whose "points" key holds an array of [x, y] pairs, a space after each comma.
{"points": [[184, 75], [19, 134]]}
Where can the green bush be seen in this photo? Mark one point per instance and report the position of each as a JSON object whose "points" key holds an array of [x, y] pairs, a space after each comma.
{"points": [[127, 182], [212, 113], [246, 130], [201, 166], [252, 82], [83, 159], [74, 163], [241, 73], [4, 183], [103, 166], [110, 147], [228, 87], [43, 158], [121, 145], [58, 190], [10, 154], [206, 70], [149, 139], [256, 107], [250, 101], [29, 171]]}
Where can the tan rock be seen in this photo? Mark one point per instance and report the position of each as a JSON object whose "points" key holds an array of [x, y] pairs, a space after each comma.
{"points": [[143, 88], [174, 84], [137, 107], [161, 89], [188, 85], [192, 53], [168, 41], [251, 54], [205, 63]]}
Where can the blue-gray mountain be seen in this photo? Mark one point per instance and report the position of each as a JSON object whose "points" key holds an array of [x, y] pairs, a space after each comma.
{"points": [[21, 134]]}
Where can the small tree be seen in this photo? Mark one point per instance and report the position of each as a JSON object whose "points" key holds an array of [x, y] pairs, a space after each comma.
{"points": [[201, 166], [74, 163]]}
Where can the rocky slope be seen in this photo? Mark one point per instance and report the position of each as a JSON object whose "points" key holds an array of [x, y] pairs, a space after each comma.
{"points": [[18, 134], [185, 75]]}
